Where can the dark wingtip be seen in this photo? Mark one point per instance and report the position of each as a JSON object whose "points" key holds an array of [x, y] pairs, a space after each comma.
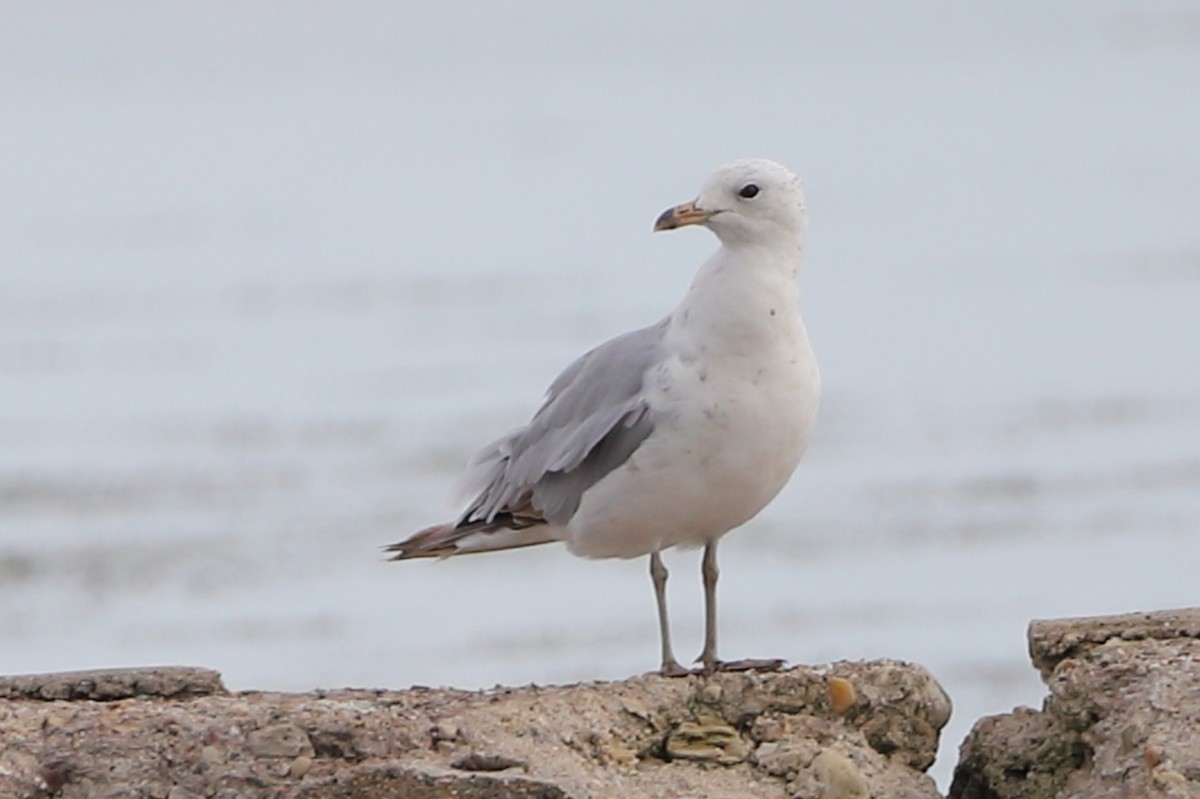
{"points": [[422, 544], [403, 550]]}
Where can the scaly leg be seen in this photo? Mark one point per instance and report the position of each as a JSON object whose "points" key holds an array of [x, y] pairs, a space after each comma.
{"points": [[658, 574], [708, 658], [708, 570]]}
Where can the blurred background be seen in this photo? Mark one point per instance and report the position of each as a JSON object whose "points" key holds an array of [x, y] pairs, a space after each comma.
{"points": [[269, 277]]}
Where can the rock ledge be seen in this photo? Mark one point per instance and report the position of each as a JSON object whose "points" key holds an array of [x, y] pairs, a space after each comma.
{"points": [[843, 731], [1122, 719]]}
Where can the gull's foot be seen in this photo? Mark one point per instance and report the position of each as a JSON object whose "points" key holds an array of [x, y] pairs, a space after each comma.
{"points": [[671, 668], [751, 664], [746, 664]]}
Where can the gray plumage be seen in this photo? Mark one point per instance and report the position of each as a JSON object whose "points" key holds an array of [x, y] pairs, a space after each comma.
{"points": [[594, 417]]}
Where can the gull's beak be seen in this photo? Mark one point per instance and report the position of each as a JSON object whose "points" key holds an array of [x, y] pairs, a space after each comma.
{"points": [[680, 215]]}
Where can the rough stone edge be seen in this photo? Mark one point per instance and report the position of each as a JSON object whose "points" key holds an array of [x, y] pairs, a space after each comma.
{"points": [[1037, 754], [1052, 641], [108, 685]]}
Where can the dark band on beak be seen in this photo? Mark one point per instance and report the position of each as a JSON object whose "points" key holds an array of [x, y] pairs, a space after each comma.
{"points": [[680, 215]]}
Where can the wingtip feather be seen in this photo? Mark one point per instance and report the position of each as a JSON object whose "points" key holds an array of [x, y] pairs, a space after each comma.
{"points": [[428, 543]]}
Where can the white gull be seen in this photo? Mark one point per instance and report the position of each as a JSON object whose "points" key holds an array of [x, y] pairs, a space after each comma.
{"points": [[673, 434]]}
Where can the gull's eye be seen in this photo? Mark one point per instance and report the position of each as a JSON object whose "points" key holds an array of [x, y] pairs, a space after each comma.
{"points": [[748, 191]]}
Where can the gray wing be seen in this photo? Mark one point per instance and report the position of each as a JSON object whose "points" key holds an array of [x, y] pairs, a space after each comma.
{"points": [[594, 417]]}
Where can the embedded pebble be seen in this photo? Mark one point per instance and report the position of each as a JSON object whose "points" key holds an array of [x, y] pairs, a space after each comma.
{"points": [[838, 777], [719, 743], [842, 695]]}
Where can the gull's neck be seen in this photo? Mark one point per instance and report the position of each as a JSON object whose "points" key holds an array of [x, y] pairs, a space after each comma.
{"points": [[744, 300], [781, 254]]}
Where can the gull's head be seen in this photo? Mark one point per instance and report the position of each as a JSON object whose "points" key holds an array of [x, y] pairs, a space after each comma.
{"points": [[750, 200]]}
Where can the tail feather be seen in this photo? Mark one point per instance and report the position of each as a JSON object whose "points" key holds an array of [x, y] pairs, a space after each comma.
{"points": [[444, 540]]}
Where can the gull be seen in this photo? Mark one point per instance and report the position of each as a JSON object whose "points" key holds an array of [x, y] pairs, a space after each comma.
{"points": [[672, 434]]}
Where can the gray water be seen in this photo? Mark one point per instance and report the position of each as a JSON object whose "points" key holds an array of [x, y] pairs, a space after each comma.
{"points": [[267, 280]]}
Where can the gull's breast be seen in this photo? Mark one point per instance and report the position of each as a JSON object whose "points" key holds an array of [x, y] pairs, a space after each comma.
{"points": [[728, 435]]}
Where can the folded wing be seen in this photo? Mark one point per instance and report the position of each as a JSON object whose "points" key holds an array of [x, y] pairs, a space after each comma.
{"points": [[594, 417]]}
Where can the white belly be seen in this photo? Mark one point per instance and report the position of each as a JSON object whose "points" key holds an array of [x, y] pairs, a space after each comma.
{"points": [[725, 443]]}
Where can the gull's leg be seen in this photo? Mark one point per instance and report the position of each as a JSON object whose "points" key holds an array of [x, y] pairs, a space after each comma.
{"points": [[709, 571], [708, 658], [658, 574]]}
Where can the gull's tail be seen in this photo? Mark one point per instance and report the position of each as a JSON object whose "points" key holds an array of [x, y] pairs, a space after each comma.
{"points": [[444, 540]]}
